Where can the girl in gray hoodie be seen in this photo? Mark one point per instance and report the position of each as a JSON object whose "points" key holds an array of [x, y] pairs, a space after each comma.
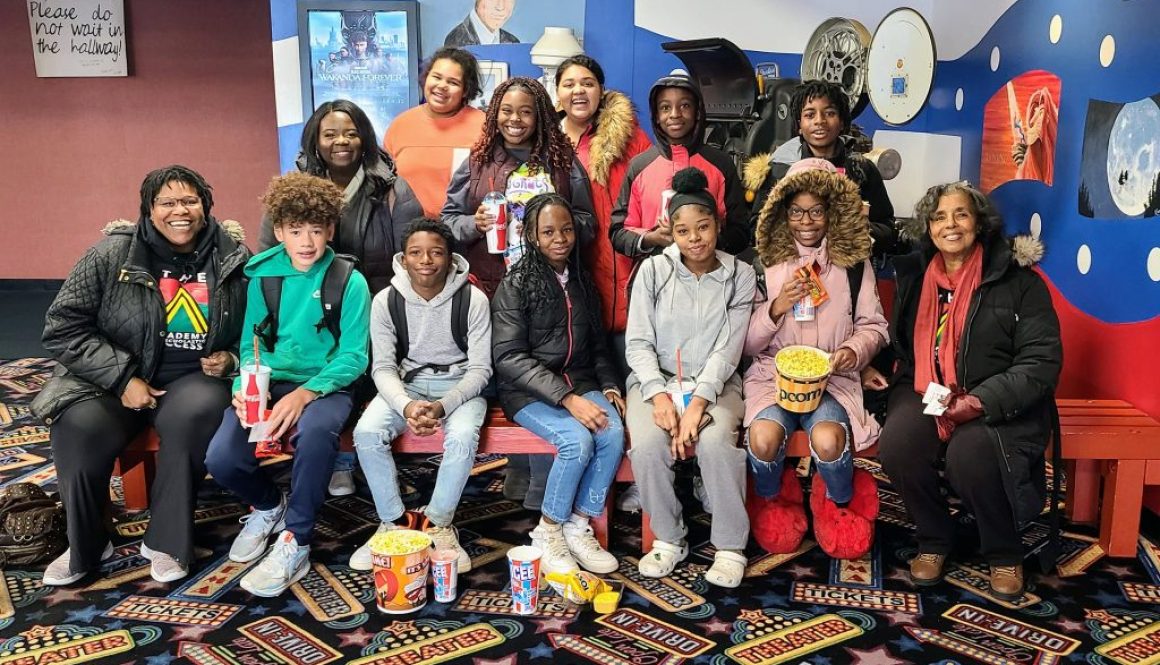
{"points": [[690, 303]]}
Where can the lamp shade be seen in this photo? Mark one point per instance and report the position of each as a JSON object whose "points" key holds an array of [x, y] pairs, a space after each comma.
{"points": [[555, 46]]}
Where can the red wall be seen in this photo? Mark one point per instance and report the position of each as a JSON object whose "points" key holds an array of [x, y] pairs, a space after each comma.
{"points": [[200, 92]]}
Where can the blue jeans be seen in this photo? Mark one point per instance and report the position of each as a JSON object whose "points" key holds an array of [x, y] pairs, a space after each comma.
{"points": [[344, 461], [381, 424], [838, 474], [586, 461], [232, 463]]}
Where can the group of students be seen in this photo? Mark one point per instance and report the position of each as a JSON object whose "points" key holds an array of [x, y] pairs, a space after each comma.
{"points": [[620, 274]]}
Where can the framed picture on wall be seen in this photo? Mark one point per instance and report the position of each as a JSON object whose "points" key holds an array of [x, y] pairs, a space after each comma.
{"points": [[491, 74], [361, 50]]}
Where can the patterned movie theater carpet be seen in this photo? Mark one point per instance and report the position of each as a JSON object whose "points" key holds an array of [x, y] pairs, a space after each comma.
{"points": [[793, 608]]}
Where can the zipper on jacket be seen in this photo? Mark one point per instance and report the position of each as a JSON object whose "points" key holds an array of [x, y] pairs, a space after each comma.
{"points": [[1002, 449], [961, 361], [568, 357]]}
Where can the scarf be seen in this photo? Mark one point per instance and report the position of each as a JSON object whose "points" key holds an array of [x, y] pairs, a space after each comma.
{"points": [[963, 285]]}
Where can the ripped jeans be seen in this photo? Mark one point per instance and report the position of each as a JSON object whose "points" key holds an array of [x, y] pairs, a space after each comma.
{"points": [[837, 474], [586, 461], [380, 424]]}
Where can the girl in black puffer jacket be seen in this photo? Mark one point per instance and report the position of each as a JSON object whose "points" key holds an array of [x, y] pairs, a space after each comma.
{"points": [[557, 379]]}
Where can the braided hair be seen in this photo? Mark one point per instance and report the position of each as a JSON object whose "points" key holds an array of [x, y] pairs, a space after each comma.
{"points": [[551, 149], [538, 277]]}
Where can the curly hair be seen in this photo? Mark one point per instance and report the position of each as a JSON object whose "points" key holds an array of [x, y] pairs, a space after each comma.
{"points": [[158, 178], [551, 149], [302, 198], [466, 61], [808, 91], [538, 277], [988, 221]]}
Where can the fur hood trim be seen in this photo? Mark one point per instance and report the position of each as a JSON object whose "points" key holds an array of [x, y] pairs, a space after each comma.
{"points": [[232, 228], [847, 232], [755, 171], [614, 129]]}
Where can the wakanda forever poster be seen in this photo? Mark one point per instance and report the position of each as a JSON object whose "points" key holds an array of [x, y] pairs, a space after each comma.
{"points": [[364, 56]]}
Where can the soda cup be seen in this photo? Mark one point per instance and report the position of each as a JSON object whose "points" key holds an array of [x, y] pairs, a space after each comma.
{"points": [[445, 575], [804, 310], [524, 562], [495, 205], [255, 392], [666, 196], [681, 394]]}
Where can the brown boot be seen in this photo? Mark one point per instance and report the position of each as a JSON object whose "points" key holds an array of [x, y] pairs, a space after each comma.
{"points": [[1007, 582], [926, 569]]}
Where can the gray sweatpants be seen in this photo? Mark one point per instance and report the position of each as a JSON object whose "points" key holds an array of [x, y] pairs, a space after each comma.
{"points": [[722, 462]]}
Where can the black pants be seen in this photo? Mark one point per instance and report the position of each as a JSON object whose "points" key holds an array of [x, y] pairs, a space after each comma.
{"points": [[89, 435], [910, 451]]}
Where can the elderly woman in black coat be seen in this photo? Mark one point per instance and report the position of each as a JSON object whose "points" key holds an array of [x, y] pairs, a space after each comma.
{"points": [[145, 329], [971, 316]]}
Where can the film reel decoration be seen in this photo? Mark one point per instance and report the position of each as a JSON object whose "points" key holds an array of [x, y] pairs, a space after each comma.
{"points": [[837, 52], [900, 66]]}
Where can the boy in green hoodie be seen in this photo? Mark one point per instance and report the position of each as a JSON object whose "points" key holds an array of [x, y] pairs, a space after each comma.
{"points": [[310, 375]]}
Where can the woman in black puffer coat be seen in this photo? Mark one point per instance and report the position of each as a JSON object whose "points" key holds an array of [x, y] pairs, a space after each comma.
{"points": [[970, 315], [145, 329]]}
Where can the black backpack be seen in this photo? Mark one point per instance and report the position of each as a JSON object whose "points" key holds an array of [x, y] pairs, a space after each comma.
{"points": [[32, 526], [397, 305], [333, 287]]}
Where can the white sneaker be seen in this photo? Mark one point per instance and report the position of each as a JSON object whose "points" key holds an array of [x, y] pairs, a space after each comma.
{"points": [[585, 548], [286, 563], [361, 559], [701, 495], [250, 542], [556, 557], [629, 500], [163, 568], [662, 559], [341, 483], [58, 573], [447, 538]]}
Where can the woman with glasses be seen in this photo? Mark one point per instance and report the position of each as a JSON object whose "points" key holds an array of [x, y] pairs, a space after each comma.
{"points": [[812, 231], [145, 329], [339, 144]]}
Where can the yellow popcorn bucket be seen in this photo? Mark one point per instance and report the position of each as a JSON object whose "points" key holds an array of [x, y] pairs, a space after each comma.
{"points": [[802, 374], [401, 560]]}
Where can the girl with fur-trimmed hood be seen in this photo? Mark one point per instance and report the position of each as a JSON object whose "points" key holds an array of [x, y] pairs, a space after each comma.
{"points": [[602, 125], [813, 218]]}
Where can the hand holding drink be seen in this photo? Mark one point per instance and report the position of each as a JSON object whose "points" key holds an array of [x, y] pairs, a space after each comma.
{"points": [[494, 206]]}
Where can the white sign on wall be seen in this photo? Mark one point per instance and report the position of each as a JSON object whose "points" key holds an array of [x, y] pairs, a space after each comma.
{"points": [[78, 37]]}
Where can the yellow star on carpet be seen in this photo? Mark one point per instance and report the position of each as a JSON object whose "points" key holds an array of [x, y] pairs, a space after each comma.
{"points": [[38, 632], [752, 616], [401, 628]]}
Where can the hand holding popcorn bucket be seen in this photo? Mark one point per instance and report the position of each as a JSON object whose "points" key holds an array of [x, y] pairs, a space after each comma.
{"points": [[802, 375], [401, 559]]}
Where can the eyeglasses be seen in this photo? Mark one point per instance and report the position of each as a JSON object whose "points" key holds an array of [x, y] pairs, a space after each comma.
{"points": [[816, 213], [170, 204]]}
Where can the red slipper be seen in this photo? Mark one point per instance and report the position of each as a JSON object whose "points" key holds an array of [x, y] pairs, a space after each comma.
{"points": [[845, 533], [779, 524]]}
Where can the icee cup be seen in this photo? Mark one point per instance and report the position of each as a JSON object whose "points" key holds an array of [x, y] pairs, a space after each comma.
{"points": [[401, 560]]}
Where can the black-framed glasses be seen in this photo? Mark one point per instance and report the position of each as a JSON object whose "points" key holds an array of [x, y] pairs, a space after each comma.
{"points": [[170, 204], [816, 213]]}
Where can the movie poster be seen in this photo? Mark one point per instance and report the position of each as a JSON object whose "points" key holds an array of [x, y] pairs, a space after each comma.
{"points": [[1120, 171], [363, 56]]}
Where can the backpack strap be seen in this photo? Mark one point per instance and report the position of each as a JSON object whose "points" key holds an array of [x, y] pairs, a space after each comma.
{"points": [[854, 276], [398, 310], [333, 288], [460, 303], [267, 329]]}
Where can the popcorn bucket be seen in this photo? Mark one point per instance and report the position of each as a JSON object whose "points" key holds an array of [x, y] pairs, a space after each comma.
{"points": [[401, 559], [802, 375]]}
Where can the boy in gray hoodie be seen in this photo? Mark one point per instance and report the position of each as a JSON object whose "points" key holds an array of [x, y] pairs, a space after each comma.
{"points": [[429, 375]]}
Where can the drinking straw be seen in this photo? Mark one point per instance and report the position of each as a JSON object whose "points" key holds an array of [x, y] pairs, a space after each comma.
{"points": [[256, 354], [680, 379]]}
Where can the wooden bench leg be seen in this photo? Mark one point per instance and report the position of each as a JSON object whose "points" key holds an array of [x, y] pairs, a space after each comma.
{"points": [[136, 478], [1083, 491], [1123, 502]]}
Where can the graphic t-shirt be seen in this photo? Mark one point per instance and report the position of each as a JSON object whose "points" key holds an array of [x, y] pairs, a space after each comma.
{"points": [[522, 186], [186, 323]]}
